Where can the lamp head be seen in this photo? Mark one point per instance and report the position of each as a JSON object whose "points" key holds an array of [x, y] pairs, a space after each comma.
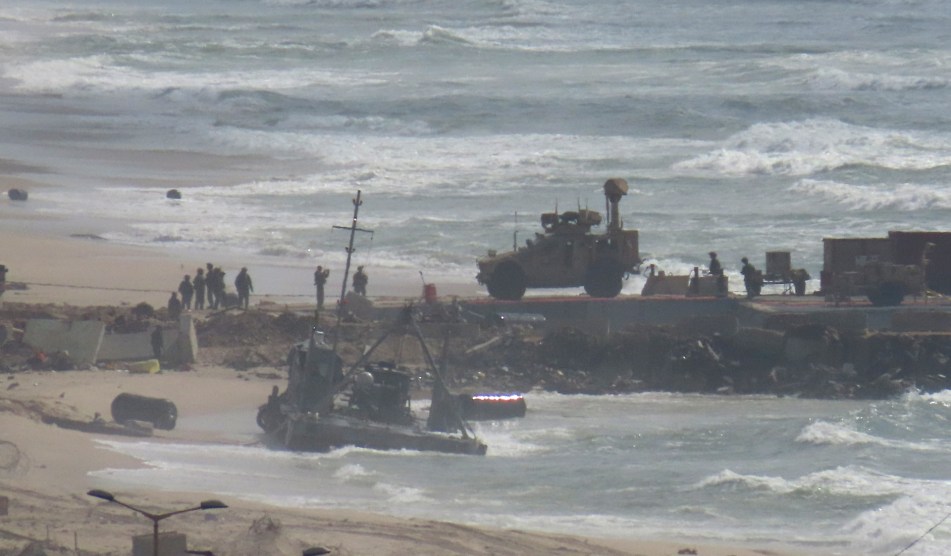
{"points": [[212, 504], [104, 495]]}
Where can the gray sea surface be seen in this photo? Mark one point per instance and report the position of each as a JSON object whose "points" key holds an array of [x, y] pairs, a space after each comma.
{"points": [[743, 126]]}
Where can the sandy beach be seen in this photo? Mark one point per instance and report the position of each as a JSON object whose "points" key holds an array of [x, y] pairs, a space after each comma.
{"points": [[45, 470]]}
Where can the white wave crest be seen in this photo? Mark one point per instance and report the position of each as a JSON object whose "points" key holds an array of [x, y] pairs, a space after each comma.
{"points": [[822, 432], [840, 481], [825, 433], [101, 73], [401, 494], [439, 35], [834, 79], [806, 147], [942, 398], [892, 528], [905, 197]]}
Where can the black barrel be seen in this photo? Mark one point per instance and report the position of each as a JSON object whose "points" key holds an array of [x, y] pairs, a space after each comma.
{"points": [[161, 413]]}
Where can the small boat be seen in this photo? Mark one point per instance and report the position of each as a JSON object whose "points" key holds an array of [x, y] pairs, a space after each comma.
{"points": [[369, 406], [322, 409]]}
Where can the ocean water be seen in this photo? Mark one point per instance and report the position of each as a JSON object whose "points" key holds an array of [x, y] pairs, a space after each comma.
{"points": [[815, 477], [743, 126]]}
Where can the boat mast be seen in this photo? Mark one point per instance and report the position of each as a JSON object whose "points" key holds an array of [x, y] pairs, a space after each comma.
{"points": [[346, 271]]}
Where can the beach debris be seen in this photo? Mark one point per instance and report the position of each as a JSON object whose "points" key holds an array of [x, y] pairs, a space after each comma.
{"points": [[143, 311], [10, 459], [161, 413], [16, 194]]}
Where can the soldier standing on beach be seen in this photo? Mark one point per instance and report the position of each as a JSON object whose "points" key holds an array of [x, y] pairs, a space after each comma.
{"points": [[360, 280], [219, 283], [199, 285], [3, 278], [187, 290], [320, 280], [174, 307], [243, 284], [210, 286]]}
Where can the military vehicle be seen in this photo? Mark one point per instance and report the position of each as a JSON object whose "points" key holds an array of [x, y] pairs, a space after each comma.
{"points": [[568, 254]]}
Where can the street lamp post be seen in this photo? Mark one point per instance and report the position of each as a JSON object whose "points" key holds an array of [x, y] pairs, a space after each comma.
{"points": [[203, 505]]}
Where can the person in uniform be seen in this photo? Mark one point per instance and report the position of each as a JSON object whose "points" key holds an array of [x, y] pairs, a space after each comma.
{"points": [[243, 284], [716, 269], [360, 281], [750, 278], [320, 280], [199, 286], [174, 307], [210, 286], [187, 290]]}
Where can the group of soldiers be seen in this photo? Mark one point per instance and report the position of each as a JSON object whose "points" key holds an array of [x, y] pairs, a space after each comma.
{"points": [[752, 279], [360, 281], [208, 284]]}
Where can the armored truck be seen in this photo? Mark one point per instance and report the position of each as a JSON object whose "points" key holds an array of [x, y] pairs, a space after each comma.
{"points": [[568, 254]]}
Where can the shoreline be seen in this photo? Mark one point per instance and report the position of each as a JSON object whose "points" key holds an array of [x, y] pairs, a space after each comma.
{"points": [[61, 465], [53, 468], [85, 271]]}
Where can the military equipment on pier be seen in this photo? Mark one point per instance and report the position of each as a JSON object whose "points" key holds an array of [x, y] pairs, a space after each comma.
{"points": [[887, 269], [568, 254]]}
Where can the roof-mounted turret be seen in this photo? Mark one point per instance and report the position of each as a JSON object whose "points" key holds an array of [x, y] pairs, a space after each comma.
{"points": [[614, 189]]}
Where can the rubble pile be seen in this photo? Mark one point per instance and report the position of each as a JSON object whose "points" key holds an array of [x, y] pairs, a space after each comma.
{"points": [[803, 359], [252, 328], [813, 361]]}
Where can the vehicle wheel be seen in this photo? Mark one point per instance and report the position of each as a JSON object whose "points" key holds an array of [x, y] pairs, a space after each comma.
{"points": [[507, 282], [604, 279], [888, 294]]}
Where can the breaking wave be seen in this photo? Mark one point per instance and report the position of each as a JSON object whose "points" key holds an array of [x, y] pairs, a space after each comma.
{"points": [[906, 197], [842, 481], [817, 145]]}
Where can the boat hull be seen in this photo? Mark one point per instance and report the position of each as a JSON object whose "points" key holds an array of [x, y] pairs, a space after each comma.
{"points": [[309, 433]]}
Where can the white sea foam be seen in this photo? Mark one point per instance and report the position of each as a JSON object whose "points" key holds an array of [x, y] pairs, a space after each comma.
{"points": [[905, 197], [825, 433], [894, 527], [398, 495], [810, 146], [852, 481], [942, 398], [822, 432]]}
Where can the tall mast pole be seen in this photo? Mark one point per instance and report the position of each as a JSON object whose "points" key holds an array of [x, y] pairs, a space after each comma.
{"points": [[346, 271]]}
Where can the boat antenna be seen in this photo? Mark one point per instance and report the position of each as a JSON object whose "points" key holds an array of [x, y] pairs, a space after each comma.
{"points": [[515, 234], [346, 271]]}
